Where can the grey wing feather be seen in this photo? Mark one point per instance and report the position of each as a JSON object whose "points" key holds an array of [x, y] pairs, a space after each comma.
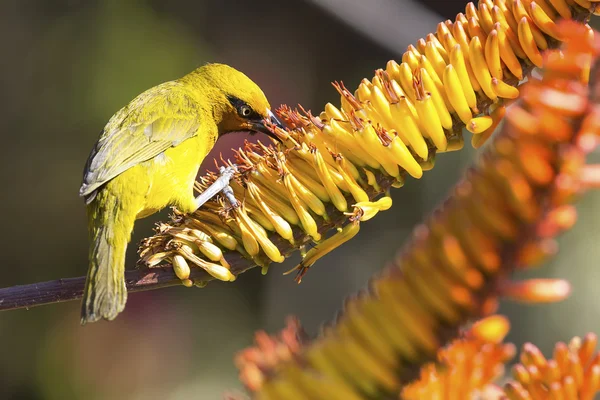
{"points": [[123, 145]]}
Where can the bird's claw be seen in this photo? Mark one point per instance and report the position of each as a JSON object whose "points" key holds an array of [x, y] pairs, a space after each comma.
{"points": [[220, 185], [227, 190]]}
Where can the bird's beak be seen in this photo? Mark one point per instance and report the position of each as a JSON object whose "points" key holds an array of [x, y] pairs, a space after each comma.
{"points": [[262, 126], [274, 120]]}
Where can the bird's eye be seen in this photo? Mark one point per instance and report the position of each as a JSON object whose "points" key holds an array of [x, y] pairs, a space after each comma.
{"points": [[245, 111]]}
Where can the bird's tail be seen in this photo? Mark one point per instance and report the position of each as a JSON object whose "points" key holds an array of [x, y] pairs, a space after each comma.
{"points": [[110, 229]]}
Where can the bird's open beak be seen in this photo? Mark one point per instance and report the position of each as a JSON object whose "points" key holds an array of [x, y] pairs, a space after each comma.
{"points": [[261, 126]]}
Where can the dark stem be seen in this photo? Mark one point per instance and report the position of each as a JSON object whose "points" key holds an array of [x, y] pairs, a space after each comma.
{"points": [[57, 291]]}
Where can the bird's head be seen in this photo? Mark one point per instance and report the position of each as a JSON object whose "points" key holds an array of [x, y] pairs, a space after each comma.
{"points": [[238, 103]]}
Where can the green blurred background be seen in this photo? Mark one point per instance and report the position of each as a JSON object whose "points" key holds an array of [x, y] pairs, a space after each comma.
{"points": [[67, 65]]}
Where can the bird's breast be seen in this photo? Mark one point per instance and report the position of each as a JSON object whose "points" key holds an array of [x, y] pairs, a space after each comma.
{"points": [[172, 175]]}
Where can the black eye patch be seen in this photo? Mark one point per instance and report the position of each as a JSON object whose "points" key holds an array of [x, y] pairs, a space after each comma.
{"points": [[238, 104]]}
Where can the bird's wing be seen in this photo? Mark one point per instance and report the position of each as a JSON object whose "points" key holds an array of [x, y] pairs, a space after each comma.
{"points": [[155, 121]]}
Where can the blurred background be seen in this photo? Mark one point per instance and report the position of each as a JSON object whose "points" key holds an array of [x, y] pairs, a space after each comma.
{"points": [[68, 65]]}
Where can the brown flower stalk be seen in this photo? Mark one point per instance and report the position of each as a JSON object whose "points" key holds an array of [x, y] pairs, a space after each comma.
{"points": [[505, 214]]}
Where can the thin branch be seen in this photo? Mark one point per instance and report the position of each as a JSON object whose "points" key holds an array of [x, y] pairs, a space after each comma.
{"points": [[60, 290], [137, 280]]}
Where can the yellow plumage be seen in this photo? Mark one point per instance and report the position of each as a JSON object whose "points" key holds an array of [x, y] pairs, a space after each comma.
{"points": [[147, 158]]}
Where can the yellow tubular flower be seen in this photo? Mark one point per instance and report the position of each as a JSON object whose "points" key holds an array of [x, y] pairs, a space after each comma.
{"points": [[381, 103], [224, 238], [325, 247], [181, 267], [308, 197], [543, 21], [368, 209], [333, 112], [480, 68], [357, 192], [212, 252], [562, 7], [538, 35], [367, 133], [341, 132], [504, 90], [304, 164], [404, 158], [508, 56], [457, 98], [407, 127], [248, 237], [435, 58], [258, 216], [528, 42], [431, 38], [485, 17], [475, 29], [282, 227], [434, 85], [405, 78], [337, 198], [411, 59], [429, 117], [457, 60], [307, 221], [479, 124], [280, 207], [438, 101], [492, 54], [216, 271]]}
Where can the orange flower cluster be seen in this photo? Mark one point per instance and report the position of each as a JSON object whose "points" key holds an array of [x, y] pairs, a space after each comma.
{"points": [[573, 373], [506, 213], [255, 362], [467, 366]]}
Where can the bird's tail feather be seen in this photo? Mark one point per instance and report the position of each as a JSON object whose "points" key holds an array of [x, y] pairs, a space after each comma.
{"points": [[105, 293]]}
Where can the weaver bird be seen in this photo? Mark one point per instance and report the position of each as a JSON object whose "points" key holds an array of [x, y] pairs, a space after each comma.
{"points": [[147, 158]]}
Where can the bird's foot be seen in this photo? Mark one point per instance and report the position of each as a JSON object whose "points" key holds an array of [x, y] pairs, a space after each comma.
{"points": [[220, 185]]}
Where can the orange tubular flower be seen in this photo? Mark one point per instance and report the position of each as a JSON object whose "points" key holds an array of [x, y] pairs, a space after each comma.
{"points": [[467, 366], [573, 373]]}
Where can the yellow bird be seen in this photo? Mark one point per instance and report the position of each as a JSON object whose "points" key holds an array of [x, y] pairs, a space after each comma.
{"points": [[147, 158]]}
